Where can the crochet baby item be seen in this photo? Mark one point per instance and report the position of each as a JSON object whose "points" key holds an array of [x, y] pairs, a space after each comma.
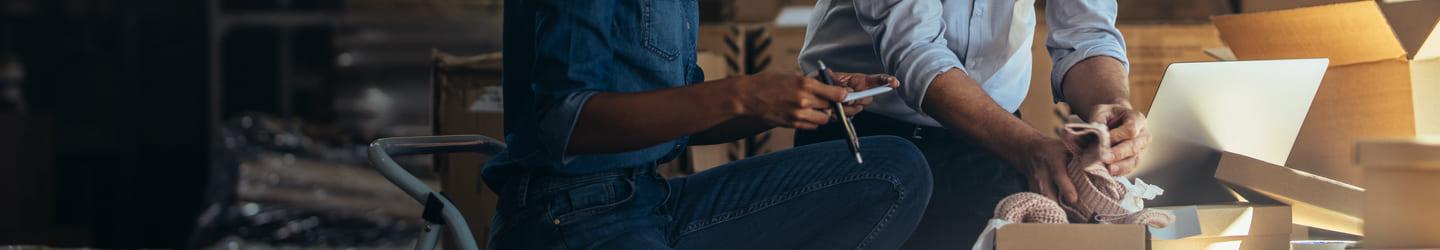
{"points": [[1102, 198]]}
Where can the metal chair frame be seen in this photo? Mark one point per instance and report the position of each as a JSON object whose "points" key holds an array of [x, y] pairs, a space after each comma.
{"points": [[438, 209]]}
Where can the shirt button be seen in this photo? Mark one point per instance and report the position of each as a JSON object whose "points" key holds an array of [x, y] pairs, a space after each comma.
{"points": [[979, 12]]}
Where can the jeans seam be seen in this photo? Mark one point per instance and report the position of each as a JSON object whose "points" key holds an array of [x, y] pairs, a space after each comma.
{"points": [[753, 208]]}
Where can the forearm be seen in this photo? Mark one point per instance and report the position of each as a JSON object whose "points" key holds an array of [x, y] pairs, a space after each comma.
{"points": [[730, 130], [618, 122], [958, 103], [1094, 81]]}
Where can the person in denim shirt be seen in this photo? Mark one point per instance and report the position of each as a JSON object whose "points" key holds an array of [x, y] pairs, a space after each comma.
{"points": [[966, 65], [599, 92]]}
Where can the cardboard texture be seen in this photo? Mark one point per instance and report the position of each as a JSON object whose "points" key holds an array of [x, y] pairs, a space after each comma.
{"points": [[1071, 236], [774, 48], [739, 10], [1172, 10], [1254, 226], [466, 96], [1367, 92], [1249, 242], [1417, 25], [1269, 5], [1401, 177], [1315, 201], [1244, 219]]}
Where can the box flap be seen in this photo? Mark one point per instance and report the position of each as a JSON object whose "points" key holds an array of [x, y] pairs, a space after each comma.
{"points": [[1415, 24], [1316, 201], [1241, 219], [1353, 33], [1420, 153], [1187, 223]]}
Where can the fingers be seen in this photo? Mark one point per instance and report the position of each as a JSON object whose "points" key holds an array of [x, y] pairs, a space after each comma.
{"points": [[1062, 182], [1132, 123], [1128, 155], [1102, 114], [1123, 167], [811, 116], [1123, 151], [1040, 183], [852, 110], [826, 92]]}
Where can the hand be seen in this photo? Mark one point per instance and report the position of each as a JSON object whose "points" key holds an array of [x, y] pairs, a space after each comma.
{"points": [[786, 100], [1128, 136], [858, 81], [1045, 163]]}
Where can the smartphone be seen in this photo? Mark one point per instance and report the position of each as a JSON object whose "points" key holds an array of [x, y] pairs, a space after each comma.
{"points": [[867, 93]]}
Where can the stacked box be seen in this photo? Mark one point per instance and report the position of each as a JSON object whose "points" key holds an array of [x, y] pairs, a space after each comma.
{"points": [[468, 101]]}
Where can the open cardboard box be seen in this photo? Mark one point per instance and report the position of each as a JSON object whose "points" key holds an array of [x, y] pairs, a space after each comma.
{"points": [[1096, 236], [1236, 226], [1400, 202], [1315, 201], [1369, 90], [1375, 87]]}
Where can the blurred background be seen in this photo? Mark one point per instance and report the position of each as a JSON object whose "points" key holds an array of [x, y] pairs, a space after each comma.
{"points": [[244, 123]]}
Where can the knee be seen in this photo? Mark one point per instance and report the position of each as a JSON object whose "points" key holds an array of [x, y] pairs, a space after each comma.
{"points": [[898, 157]]}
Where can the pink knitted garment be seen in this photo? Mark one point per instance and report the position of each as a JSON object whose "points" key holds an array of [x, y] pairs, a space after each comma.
{"points": [[1102, 198]]}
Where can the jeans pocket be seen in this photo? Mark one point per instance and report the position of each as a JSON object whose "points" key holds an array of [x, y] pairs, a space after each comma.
{"points": [[591, 198]]}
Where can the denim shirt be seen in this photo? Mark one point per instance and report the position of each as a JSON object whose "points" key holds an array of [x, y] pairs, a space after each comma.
{"points": [[916, 40], [559, 53]]}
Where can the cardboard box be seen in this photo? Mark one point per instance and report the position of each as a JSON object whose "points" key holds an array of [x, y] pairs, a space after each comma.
{"points": [[720, 49], [1071, 236], [1237, 226], [1401, 178], [1367, 93], [1417, 25], [1315, 201], [774, 48], [467, 100], [1172, 10], [739, 10], [1248, 242], [1269, 5], [1222, 220], [1096, 236]]}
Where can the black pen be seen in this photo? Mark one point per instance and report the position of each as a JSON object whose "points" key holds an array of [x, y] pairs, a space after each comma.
{"points": [[840, 112]]}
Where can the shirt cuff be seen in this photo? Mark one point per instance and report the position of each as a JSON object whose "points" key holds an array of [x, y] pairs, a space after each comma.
{"points": [[922, 71], [558, 123], [1063, 65]]}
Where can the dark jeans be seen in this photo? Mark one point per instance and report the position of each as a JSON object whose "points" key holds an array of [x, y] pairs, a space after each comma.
{"points": [[810, 197], [969, 180]]}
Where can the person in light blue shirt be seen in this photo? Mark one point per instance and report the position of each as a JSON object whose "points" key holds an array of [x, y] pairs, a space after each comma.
{"points": [[965, 66]]}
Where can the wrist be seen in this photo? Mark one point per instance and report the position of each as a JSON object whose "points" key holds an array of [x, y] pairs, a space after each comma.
{"points": [[729, 95]]}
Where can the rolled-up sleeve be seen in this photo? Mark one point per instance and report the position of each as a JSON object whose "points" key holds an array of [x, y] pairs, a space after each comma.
{"points": [[909, 37], [573, 38], [1081, 29]]}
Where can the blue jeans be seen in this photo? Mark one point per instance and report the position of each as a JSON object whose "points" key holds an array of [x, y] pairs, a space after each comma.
{"points": [[810, 197], [969, 180]]}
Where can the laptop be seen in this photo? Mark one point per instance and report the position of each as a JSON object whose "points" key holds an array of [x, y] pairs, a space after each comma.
{"points": [[1251, 108]]}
